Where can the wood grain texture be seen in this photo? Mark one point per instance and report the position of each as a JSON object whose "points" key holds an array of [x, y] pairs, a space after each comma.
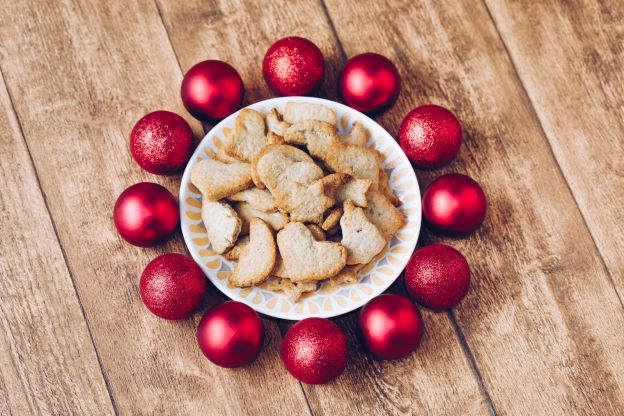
{"points": [[569, 56], [48, 364], [542, 318], [240, 34], [84, 72]]}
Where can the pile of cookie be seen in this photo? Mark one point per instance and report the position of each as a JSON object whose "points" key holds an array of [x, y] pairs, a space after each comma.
{"points": [[294, 202]]}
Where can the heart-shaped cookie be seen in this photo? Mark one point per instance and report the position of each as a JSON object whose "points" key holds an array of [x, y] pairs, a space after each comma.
{"points": [[248, 136], [307, 259]]}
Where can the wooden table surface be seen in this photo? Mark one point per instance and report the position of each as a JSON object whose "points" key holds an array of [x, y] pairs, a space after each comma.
{"points": [[539, 89]]}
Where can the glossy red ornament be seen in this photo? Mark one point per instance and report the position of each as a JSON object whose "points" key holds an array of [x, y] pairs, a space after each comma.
{"points": [[293, 66], [430, 136], [437, 276], [315, 351], [369, 83], [145, 214], [230, 334], [161, 142], [172, 286], [391, 326], [454, 205], [212, 90]]}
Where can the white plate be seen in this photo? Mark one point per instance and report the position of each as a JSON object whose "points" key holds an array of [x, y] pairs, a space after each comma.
{"points": [[374, 279]]}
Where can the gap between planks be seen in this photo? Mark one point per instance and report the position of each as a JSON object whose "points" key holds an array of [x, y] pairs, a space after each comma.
{"points": [[58, 241], [550, 148]]}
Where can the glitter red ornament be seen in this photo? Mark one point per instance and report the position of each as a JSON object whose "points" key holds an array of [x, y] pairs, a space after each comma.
{"points": [[172, 286], [454, 205], [391, 326], [160, 142], [145, 214], [430, 136], [293, 66], [230, 334], [212, 90], [315, 351], [437, 276], [369, 83]]}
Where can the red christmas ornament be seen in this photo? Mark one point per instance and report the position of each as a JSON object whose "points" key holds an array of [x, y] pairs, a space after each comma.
{"points": [[454, 205], [369, 83], [437, 276], [391, 326], [160, 142], [172, 286], [315, 351], [212, 90], [230, 334], [145, 214], [293, 66], [430, 136]]}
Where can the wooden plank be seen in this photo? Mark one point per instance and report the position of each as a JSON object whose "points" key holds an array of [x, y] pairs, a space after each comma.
{"points": [[84, 73], [542, 319], [241, 34], [48, 364], [556, 45]]}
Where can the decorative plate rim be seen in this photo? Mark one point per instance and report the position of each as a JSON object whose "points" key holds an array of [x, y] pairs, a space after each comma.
{"points": [[391, 273]]}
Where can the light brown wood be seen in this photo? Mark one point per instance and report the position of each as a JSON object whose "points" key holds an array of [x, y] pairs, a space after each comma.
{"points": [[570, 58], [48, 364], [541, 331], [542, 318], [84, 73], [421, 381]]}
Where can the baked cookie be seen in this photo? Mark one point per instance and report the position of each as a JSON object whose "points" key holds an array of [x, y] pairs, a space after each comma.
{"points": [[222, 156], [273, 138], [234, 252], [342, 186], [346, 276], [306, 259], [257, 259], [296, 112], [275, 124], [248, 136], [357, 136], [217, 180], [305, 203], [317, 136], [360, 237], [384, 187], [279, 165], [294, 291], [332, 219], [358, 161], [222, 224], [259, 199], [317, 232], [277, 220], [381, 212]]}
